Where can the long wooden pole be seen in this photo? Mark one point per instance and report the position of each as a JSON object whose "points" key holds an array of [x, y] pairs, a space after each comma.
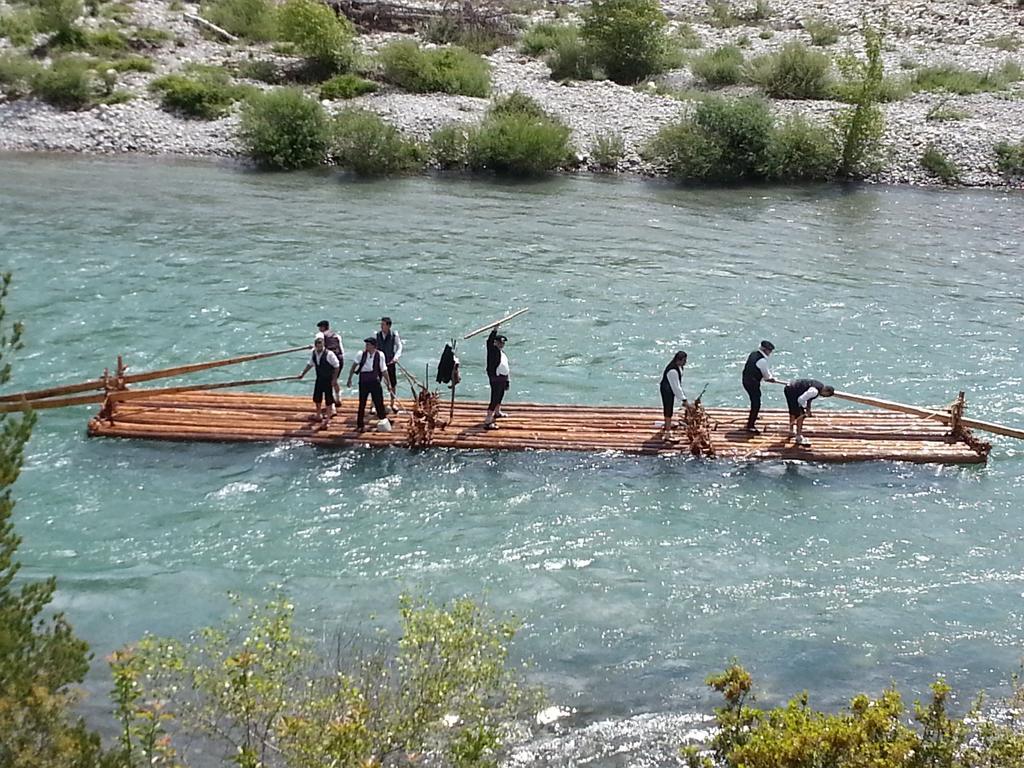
{"points": [[985, 426], [487, 327], [53, 402], [69, 389], [139, 394]]}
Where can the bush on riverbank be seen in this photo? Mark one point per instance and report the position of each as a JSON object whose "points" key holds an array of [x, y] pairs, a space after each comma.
{"points": [[284, 130], [800, 150], [249, 19], [546, 36], [451, 70], [1010, 158], [722, 66], [795, 72], [859, 129], [963, 82], [518, 138], [70, 83], [204, 94], [259, 689], [939, 165], [347, 86], [627, 38], [368, 146], [319, 34], [17, 73], [871, 732]]}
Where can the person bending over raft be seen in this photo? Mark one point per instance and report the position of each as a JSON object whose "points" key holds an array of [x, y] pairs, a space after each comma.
{"points": [[671, 389], [799, 395], [332, 343], [754, 372], [497, 373], [371, 368], [327, 368]]}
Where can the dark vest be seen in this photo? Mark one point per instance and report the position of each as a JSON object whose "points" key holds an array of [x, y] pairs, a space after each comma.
{"points": [[665, 386], [324, 370], [386, 344], [332, 342], [800, 386], [369, 376], [751, 373]]}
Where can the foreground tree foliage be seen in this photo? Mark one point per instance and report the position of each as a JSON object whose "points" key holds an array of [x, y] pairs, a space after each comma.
{"points": [[258, 689], [41, 660], [871, 733]]}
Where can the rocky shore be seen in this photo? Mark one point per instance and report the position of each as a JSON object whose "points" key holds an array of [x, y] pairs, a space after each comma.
{"points": [[974, 34]]}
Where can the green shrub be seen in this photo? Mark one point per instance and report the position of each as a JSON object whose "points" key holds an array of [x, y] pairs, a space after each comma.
{"points": [[822, 32], [482, 38], [68, 84], [1007, 43], [367, 146], [149, 37], [130, 64], [939, 165], [571, 60], [449, 147], [346, 86], [318, 33], [1010, 158], [17, 73], [545, 36], [607, 150], [518, 138], [724, 140], [119, 12], [800, 151], [283, 129], [18, 26], [440, 70], [954, 79], [205, 94], [686, 38], [941, 113], [262, 70], [59, 17], [722, 14], [249, 19], [722, 66], [795, 72], [627, 38], [859, 129]]}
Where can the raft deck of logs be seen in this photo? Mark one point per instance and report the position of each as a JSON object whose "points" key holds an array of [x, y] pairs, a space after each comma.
{"points": [[835, 435]]}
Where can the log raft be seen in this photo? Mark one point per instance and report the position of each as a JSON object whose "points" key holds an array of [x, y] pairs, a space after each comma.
{"points": [[835, 435]]}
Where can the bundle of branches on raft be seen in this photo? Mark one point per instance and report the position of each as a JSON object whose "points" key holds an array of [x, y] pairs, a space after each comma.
{"points": [[463, 15]]}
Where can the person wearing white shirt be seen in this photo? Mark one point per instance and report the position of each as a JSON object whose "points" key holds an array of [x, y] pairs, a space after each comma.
{"points": [[332, 343], [327, 368], [799, 395], [754, 372], [498, 371], [672, 390], [371, 367], [390, 344]]}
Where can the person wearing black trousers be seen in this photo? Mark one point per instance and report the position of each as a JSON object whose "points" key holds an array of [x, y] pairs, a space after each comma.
{"points": [[671, 389], [754, 372], [497, 374], [371, 368]]}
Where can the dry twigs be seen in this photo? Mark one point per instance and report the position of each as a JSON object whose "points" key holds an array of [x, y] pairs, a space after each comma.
{"points": [[698, 428], [425, 410]]}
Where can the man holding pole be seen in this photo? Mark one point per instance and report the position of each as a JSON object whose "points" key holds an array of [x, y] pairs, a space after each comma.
{"points": [[754, 372], [371, 368], [497, 374], [390, 344], [327, 368], [799, 395], [332, 343]]}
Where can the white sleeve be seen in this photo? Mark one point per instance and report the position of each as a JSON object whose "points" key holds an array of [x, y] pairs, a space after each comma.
{"points": [[762, 366], [333, 359], [807, 396], [398, 348], [675, 381]]}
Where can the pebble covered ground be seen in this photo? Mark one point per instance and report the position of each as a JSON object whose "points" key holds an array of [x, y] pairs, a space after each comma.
{"points": [[922, 33]]}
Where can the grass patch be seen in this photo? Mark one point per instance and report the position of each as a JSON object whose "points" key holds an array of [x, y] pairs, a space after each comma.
{"points": [[822, 32], [131, 64], [261, 70], [453, 30], [942, 113], [722, 14], [1010, 158], [939, 165], [607, 150], [686, 38], [572, 60], [722, 66], [1009, 43], [347, 86], [367, 146], [800, 150], [284, 130], [449, 147], [68, 84], [205, 94], [954, 79], [150, 37], [545, 36], [18, 26], [249, 19], [627, 39], [441, 70], [795, 72], [17, 73]]}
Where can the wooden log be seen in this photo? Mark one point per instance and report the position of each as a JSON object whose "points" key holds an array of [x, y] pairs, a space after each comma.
{"points": [[200, 21], [54, 402], [487, 327], [140, 394]]}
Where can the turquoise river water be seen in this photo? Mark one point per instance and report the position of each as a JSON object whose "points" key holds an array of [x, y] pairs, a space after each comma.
{"points": [[634, 577]]}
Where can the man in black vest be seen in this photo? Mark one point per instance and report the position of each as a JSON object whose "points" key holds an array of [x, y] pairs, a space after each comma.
{"points": [[390, 344], [754, 372], [332, 343], [371, 368], [327, 368], [799, 395]]}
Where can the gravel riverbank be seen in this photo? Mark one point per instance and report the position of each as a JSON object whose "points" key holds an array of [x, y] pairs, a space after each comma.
{"points": [[974, 34]]}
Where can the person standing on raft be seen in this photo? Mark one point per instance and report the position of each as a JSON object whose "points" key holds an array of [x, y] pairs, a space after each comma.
{"points": [[672, 389], [799, 395], [497, 374], [390, 344], [371, 368], [327, 368], [754, 372], [332, 343]]}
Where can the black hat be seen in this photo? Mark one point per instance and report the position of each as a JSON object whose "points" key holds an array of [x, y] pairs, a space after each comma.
{"points": [[768, 345], [323, 324], [370, 340]]}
